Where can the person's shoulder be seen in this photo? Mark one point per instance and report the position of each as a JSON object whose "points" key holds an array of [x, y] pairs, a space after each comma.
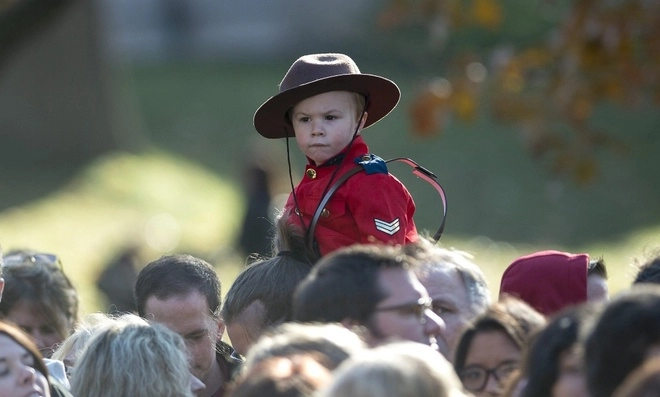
{"points": [[57, 389]]}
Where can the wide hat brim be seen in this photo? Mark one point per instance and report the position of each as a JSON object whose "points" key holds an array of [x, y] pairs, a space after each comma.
{"points": [[382, 94]]}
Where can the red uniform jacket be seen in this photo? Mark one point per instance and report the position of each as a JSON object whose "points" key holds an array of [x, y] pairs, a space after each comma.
{"points": [[367, 208]]}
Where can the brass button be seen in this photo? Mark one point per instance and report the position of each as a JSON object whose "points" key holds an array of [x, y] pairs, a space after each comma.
{"points": [[372, 239], [325, 213], [296, 211], [366, 157], [311, 173]]}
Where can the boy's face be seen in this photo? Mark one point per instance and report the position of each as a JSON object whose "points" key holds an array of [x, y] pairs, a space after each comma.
{"points": [[324, 124]]}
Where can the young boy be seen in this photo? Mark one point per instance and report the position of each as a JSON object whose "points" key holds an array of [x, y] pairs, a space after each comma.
{"points": [[325, 102]]}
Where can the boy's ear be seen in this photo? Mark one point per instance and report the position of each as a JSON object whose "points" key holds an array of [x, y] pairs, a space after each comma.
{"points": [[363, 120]]}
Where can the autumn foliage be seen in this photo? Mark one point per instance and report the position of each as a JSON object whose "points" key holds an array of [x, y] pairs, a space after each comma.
{"points": [[601, 51]]}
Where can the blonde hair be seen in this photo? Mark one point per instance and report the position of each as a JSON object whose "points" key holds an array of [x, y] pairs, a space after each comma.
{"points": [[398, 369], [133, 359], [85, 330], [359, 106]]}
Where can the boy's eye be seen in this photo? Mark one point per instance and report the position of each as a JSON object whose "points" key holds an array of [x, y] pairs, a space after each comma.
{"points": [[330, 117], [303, 119]]}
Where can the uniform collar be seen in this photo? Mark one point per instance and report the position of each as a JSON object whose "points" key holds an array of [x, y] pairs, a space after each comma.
{"points": [[357, 148]]}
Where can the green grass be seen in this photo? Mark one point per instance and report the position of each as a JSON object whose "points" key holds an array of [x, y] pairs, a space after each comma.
{"points": [[156, 200]]}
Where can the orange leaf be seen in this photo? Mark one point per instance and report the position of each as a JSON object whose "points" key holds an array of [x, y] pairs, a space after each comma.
{"points": [[425, 115], [487, 13]]}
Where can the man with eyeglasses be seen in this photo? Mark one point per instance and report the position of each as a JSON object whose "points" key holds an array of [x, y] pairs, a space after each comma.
{"points": [[373, 287]]}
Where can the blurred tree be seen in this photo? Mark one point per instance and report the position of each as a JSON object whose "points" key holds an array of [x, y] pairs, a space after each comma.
{"points": [[20, 20], [56, 89], [543, 66]]}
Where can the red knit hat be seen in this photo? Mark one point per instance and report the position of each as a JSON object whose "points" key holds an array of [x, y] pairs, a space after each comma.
{"points": [[547, 280]]}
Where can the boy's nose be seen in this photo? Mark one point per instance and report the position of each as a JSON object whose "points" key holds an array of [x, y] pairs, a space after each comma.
{"points": [[317, 129]]}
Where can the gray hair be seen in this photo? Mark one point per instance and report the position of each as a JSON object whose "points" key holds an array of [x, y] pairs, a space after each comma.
{"points": [[133, 359], [399, 369], [433, 258]]}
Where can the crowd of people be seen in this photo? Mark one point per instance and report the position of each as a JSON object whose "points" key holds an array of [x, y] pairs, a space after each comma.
{"points": [[364, 320], [352, 302]]}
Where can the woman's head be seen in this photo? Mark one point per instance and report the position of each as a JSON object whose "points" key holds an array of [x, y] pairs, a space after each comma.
{"points": [[71, 349], [39, 298], [554, 364], [399, 369], [133, 359], [299, 375], [22, 371], [490, 349], [624, 335]]}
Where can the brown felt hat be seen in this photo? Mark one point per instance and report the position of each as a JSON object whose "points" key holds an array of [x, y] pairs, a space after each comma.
{"points": [[319, 73]]}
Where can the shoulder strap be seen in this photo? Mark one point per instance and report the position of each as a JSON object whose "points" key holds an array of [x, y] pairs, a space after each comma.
{"points": [[418, 170]]}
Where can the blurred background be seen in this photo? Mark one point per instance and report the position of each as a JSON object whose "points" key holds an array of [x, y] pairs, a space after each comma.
{"points": [[126, 126]]}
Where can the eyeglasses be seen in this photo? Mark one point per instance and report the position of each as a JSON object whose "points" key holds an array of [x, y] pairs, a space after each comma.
{"points": [[417, 309], [475, 377], [15, 260]]}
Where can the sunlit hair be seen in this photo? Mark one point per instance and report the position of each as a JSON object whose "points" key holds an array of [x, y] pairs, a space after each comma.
{"points": [[400, 369], [332, 341], [133, 359], [69, 350]]}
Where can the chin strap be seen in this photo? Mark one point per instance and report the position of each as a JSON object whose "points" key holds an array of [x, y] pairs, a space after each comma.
{"points": [[418, 170]]}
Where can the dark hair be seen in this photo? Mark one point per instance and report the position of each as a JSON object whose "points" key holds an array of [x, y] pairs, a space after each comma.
{"points": [[38, 278], [621, 337], [345, 284], [597, 267], [18, 336], [567, 329], [512, 316], [178, 274], [270, 281], [649, 270], [644, 381]]}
